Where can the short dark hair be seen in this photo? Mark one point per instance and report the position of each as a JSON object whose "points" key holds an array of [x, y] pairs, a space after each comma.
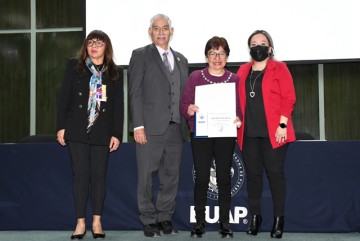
{"points": [[215, 43], [268, 37]]}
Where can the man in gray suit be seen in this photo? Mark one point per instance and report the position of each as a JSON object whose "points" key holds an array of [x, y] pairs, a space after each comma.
{"points": [[157, 75]]}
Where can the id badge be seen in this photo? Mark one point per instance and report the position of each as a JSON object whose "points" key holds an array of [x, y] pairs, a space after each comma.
{"points": [[101, 92]]}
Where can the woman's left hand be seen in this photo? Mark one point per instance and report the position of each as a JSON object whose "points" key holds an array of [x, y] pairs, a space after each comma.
{"points": [[281, 135], [237, 122], [114, 144]]}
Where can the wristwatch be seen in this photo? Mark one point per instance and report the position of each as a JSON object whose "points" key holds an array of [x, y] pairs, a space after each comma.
{"points": [[283, 125]]}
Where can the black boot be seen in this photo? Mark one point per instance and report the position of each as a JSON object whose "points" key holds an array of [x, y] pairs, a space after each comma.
{"points": [[225, 230], [278, 227], [255, 225], [199, 230]]}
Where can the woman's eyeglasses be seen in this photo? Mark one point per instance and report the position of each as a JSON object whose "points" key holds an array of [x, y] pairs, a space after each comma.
{"points": [[98, 43], [213, 55]]}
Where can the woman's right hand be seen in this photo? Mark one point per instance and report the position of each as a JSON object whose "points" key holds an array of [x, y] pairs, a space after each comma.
{"points": [[60, 137], [192, 109]]}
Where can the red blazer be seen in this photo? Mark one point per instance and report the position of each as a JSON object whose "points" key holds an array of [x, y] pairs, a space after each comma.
{"points": [[278, 96]]}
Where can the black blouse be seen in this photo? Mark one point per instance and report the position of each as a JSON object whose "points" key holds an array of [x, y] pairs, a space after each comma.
{"points": [[255, 119]]}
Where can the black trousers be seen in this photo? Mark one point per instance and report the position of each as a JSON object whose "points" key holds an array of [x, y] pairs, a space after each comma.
{"points": [[89, 164], [258, 155], [204, 150]]}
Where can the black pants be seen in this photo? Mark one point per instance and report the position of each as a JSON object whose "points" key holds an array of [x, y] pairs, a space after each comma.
{"points": [[89, 164], [258, 155], [204, 150]]}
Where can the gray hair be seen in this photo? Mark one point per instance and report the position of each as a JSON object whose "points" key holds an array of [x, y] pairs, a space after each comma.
{"points": [[160, 15]]}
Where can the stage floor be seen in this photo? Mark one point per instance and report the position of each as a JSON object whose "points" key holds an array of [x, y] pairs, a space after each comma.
{"points": [[182, 236]]}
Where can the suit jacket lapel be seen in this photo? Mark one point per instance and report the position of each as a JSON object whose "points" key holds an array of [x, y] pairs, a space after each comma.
{"points": [[180, 65]]}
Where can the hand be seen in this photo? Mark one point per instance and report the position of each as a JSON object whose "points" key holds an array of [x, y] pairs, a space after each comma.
{"points": [[237, 121], [114, 144], [281, 135], [192, 109], [140, 136], [60, 137]]}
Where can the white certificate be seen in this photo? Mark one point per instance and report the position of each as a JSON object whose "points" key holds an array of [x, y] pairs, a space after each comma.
{"points": [[217, 110]]}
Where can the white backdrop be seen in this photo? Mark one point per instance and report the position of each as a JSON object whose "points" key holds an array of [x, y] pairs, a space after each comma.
{"points": [[301, 30]]}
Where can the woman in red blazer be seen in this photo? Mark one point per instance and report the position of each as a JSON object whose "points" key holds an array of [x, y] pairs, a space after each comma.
{"points": [[267, 99], [90, 122]]}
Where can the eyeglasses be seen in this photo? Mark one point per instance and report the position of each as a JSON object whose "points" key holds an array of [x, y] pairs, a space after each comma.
{"points": [[98, 43], [213, 55]]}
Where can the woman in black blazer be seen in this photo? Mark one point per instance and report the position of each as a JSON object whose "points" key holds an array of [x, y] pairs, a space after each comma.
{"points": [[90, 121]]}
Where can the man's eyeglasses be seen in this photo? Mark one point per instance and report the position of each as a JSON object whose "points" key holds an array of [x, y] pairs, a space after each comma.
{"points": [[213, 55], [98, 43]]}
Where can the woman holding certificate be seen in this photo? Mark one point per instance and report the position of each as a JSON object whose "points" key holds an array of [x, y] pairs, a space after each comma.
{"points": [[267, 98], [205, 149]]}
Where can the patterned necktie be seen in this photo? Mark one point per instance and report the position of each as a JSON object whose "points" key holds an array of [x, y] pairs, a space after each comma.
{"points": [[166, 61]]}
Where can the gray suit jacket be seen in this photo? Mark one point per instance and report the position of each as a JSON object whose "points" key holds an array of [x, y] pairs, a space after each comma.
{"points": [[149, 89]]}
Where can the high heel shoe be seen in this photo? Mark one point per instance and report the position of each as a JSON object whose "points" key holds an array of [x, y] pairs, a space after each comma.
{"points": [[78, 236], [198, 231], [97, 235], [225, 230], [255, 225], [278, 227]]}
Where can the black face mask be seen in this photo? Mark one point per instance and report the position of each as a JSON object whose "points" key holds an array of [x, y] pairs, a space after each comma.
{"points": [[259, 52]]}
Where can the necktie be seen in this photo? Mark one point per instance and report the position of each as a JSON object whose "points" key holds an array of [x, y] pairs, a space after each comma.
{"points": [[166, 61]]}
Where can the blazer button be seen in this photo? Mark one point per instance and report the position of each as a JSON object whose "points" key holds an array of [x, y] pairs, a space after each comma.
{"points": [[80, 94], [80, 106], [104, 110]]}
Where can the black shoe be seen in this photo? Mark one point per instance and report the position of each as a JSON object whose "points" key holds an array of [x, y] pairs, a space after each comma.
{"points": [[97, 235], [255, 225], [78, 236], [225, 230], [199, 230], [151, 230], [278, 227], [167, 228]]}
